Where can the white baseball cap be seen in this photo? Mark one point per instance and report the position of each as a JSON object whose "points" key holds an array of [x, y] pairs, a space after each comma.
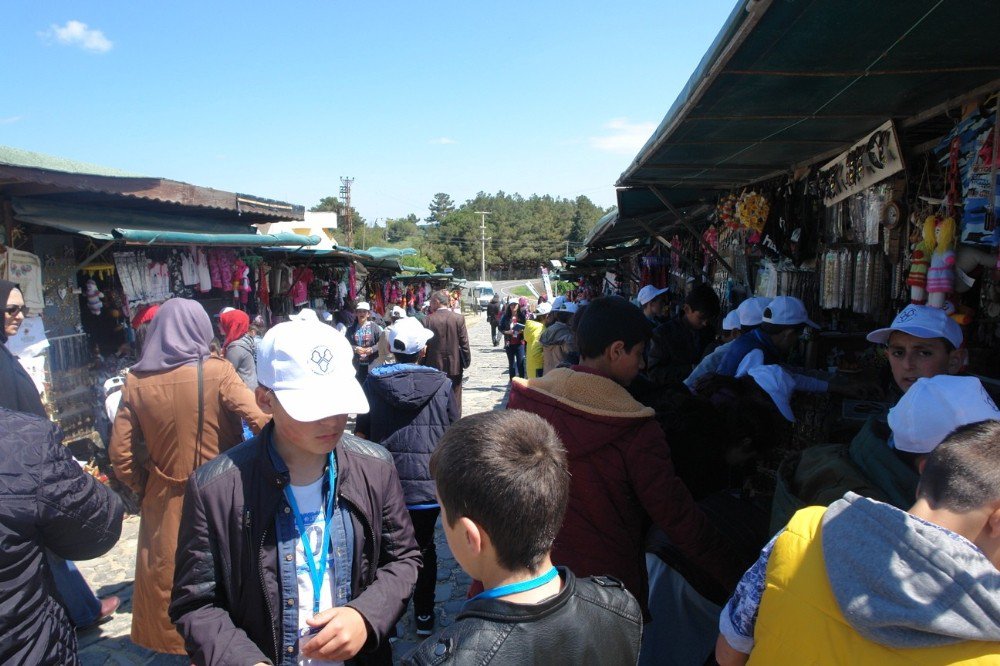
{"points": [[397, 311], [775, 381], [921, 321], [408, 336], [731, 322], [934, 407], [649, 292], [305, 314], [310, 369], [752, 310], [568, 306], [363, 305], [543, 309], [787, 311]]}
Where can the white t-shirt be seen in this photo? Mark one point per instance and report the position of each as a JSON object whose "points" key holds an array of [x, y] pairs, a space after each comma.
{"points": [[310, 502]]}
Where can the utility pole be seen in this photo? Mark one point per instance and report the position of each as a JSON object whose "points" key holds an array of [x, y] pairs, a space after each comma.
{"points": [[482, 228], [345, 194]]}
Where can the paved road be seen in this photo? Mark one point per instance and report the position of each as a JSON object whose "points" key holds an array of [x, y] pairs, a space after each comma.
{"points": [[485, 389]]}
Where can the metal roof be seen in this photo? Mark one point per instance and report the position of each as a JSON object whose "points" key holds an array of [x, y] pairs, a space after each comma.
{"points": [[790, 82], [52, 179]]}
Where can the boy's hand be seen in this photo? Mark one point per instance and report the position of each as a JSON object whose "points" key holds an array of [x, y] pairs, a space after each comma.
{"points": [[343, 634]]}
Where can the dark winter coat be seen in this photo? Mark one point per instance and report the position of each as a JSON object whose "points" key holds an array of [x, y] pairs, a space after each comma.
{"points": [[227, 599], [46, 502], [410, 407], [17, 390], [674, 350], [449, 349], [621, 480]]}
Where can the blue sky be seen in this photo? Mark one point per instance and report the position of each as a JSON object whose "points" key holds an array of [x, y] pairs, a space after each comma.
{"points": [[281, 99]]}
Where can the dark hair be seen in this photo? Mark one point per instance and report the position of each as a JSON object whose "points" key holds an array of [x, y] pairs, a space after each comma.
{"points": [[405, 358], [963, 472], [507, 472], [702, 298], [607, 320]]}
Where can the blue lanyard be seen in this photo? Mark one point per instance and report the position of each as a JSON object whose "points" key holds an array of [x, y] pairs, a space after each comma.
{"points": [[515, 588], [316, 571]]}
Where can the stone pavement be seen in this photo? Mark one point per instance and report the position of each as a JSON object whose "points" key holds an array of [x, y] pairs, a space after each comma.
{"points": [[485, 388]]}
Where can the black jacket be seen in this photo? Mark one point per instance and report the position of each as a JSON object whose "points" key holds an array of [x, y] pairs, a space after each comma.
{"points": [[674, 350], [46, 502], [17, 391], [226, 600], [410, 408], [591, 621]]}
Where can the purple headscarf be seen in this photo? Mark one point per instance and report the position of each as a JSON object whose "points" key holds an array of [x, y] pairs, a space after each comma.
{"points": [[178, 335]]}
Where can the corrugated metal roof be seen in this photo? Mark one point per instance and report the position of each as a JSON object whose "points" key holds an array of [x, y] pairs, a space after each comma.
{"points": [[53, 179], [26, 158]]}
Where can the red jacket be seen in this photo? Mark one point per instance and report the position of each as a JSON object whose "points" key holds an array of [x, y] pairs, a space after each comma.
{"points": [[622, 481]]}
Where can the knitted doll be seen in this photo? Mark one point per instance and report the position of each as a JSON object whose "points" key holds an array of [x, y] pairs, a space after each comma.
{"points": [[94, 296], [941, 275], [917, 277]]}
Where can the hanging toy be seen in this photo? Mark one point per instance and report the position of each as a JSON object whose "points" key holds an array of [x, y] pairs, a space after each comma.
{"points": [[920, 260], [94, 296], [941, 275]]}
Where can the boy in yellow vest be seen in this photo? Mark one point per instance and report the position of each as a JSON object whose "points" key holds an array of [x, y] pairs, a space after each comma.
{"points": [[863, 582]]}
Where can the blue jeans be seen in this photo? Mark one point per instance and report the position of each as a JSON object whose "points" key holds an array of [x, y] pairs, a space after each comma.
{"points": [[515, 360], [81, 605]]}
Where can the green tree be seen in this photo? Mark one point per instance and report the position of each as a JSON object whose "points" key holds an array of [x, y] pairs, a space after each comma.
{"points": [[441, 206]]}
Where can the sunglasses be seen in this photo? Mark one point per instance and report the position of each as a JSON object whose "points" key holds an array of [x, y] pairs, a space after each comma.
{"points": [[12, 310]]}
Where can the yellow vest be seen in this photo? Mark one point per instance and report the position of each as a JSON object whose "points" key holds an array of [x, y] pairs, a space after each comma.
{"points": [[800, 623], [533, 356]]}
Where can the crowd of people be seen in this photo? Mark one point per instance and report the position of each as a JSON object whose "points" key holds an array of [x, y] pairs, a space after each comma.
{"points": [[291, 482]]}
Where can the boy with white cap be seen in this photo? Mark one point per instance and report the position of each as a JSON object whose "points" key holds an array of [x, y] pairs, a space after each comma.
{"points": [[921, 342], [652, 300], [782, 323], [296, 544], [867, 582], [411, 406], [751, 314]]}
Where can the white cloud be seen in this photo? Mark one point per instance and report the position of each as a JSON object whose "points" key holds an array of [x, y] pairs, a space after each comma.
{"points": [[77, 33], [10, 120], [623, 137], [443, 141]]}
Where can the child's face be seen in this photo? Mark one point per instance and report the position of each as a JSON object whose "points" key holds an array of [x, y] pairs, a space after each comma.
{"points": [[911, 358], [459, 543], [696, 319], [624, 365], [319, 437]]}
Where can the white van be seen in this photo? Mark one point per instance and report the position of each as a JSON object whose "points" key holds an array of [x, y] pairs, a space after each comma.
{"points": [[478, 294]]}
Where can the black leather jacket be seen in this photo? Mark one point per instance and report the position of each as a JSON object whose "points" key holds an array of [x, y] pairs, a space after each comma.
{"points": [[591, 621], [46, 502], [227, 599]]}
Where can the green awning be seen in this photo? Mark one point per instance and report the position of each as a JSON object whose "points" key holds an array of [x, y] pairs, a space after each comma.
{"points": [[145, 237], [788, 83]]}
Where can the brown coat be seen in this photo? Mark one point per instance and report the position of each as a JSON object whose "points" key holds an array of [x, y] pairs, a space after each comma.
{"points": [[153, 451], [448, 350]]}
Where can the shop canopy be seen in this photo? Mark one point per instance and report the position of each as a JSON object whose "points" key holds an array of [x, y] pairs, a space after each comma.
{"points": [[142, 237], [788, 83]]}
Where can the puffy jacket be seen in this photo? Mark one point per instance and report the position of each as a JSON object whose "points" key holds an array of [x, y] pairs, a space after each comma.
{"points": [[46, 502], [622, 479], [227, 599], [591, 621], [410, 407]]}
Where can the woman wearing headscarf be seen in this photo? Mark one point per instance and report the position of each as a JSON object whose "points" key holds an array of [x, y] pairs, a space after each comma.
{"points": [[17, 390], [179, 408], [239, 347]]}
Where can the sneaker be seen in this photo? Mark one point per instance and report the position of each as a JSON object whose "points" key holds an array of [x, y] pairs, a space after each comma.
{"points": [[425, 625]]}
